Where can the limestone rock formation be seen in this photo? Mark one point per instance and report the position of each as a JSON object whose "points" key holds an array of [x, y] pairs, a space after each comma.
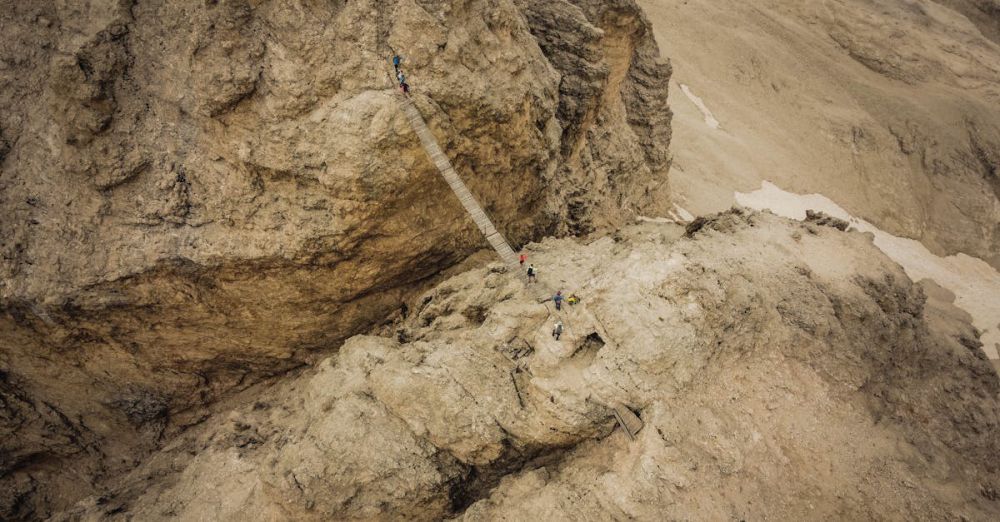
{"points": [[195, 196], [783, 370], [890, 108], [234, 287]]}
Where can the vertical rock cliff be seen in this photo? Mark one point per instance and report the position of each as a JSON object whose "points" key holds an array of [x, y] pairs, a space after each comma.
{"points": [[197, 196]]}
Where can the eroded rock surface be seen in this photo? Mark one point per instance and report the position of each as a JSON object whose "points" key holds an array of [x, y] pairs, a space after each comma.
{"points": [[891, 108], [783, 370], [195, 196]]}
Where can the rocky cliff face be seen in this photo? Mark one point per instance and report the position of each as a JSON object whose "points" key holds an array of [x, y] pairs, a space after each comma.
{"points": [[195, 196], [783, 370], [889, 108], [984, 13]]}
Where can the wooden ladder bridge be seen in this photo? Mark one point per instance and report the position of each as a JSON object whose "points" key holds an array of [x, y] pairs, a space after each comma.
{"points": [[629, 422], [476, 212]]}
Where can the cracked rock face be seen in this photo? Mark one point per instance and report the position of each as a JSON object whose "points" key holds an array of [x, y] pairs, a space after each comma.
{"points": [[890, 108], [198, 195], [781, 370]]}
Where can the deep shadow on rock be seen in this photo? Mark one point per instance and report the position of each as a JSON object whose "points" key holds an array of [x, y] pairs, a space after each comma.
{"points": [[197, 197], [779, 374]]}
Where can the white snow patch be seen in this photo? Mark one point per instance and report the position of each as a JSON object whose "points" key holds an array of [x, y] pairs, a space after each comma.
{"points": [[698, 102], [974, 282]]}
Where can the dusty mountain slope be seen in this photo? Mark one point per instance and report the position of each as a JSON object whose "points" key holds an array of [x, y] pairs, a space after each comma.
{"points": [[890, 108], [783, 370], [197, 195], [199, 201]]}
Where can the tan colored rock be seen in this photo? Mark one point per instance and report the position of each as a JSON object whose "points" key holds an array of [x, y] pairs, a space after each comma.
{"points": [[198, 196], [777, 378], [889, 108]]}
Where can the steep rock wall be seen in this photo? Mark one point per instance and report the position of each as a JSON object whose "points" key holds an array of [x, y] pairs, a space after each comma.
{"points": [[889, 108], [197, 196]]}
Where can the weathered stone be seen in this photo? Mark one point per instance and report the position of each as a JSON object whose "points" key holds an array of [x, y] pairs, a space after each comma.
{"points": [[774, 378], [200, 195]]}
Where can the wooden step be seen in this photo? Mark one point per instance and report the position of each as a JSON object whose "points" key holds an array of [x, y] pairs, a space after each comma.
{"points": [[629, 422]]}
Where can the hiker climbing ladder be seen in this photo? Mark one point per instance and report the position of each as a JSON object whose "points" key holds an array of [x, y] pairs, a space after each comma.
{"points": [[493, 236]]}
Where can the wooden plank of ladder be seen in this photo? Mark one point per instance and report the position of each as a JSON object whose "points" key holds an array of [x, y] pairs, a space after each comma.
{"points": [[630, 423]]}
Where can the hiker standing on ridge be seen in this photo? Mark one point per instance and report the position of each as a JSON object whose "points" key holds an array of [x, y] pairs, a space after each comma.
{"points": [[557, 331], [523, 258], [532, 274], [558, 299]]}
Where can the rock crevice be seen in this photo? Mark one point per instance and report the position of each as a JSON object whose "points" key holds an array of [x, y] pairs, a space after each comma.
{"points": [[195, 197]]}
